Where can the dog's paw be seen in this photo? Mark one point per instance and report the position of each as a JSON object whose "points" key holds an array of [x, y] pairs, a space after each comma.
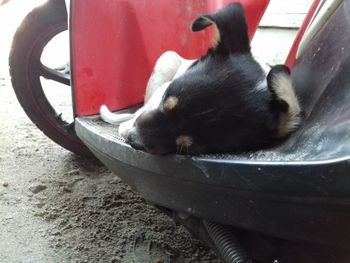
{"points": [[164, 71]]}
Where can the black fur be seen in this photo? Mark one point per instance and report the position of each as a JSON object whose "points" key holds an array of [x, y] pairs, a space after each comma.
{"points": [[232, 26], [219, 105]]}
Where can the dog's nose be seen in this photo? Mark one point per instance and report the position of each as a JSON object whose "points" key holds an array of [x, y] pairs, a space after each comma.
{"points": [[134, 140], [131, 136]]}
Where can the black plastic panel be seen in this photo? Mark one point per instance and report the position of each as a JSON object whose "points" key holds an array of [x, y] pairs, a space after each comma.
{"points": [[296, 201]]}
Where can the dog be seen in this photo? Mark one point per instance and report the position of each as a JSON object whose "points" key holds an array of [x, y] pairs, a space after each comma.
{"points": [[225, 101]]}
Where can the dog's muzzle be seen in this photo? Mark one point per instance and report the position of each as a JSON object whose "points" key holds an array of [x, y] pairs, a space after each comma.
{"points": [[134, 140]]}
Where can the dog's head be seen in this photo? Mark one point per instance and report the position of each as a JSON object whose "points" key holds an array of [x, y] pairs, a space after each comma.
{"points": [[221, 103]]}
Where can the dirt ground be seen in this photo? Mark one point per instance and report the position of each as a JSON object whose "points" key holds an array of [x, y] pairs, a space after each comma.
{"points": [[58, 207]]}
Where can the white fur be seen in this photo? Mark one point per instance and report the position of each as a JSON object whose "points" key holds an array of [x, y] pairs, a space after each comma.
{"points": [[262, 85], [109, 117], [164, 70], [289, 121], [168, 67]]}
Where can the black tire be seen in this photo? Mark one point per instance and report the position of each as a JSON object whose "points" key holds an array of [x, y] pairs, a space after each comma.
{"points": [[35, 32]]}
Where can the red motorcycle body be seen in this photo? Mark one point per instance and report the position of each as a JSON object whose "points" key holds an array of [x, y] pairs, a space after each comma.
{"points": [[115, 44]]}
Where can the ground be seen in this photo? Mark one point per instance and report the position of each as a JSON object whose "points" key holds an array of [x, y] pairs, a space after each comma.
{"points": [[58, 207]]}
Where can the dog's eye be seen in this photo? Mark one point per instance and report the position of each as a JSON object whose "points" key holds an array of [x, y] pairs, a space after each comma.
{"points": [[170, 103], [183, 143]]}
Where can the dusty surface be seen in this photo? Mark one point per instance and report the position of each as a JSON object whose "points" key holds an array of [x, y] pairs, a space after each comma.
{"points": [[58, 207]]}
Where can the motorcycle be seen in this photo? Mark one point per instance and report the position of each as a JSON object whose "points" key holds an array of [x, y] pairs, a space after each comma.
{"points": [[290, 203]]}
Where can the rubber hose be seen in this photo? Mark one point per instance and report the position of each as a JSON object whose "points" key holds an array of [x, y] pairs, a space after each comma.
{"points": [[226, 243]]}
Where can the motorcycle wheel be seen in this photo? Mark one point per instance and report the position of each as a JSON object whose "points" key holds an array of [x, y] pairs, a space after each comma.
{"points": [[37, 29]]}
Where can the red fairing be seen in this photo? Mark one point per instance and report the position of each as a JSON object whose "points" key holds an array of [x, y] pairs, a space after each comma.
{"points": [[115, 44]]}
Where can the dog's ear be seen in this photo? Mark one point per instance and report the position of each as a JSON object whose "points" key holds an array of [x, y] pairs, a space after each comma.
{"points": [[284, 100], [231, 26], [279, 84]]}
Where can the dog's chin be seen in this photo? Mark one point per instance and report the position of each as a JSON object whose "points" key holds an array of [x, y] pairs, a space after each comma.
{"points": [[141, 147], [136, 143]]}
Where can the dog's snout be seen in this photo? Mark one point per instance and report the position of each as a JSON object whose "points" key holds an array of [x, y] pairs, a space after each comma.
{"points": [[131, 136], [134, 141]]}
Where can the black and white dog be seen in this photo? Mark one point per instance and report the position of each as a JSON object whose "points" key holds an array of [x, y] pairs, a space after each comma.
{"points": [[223, 102]]}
